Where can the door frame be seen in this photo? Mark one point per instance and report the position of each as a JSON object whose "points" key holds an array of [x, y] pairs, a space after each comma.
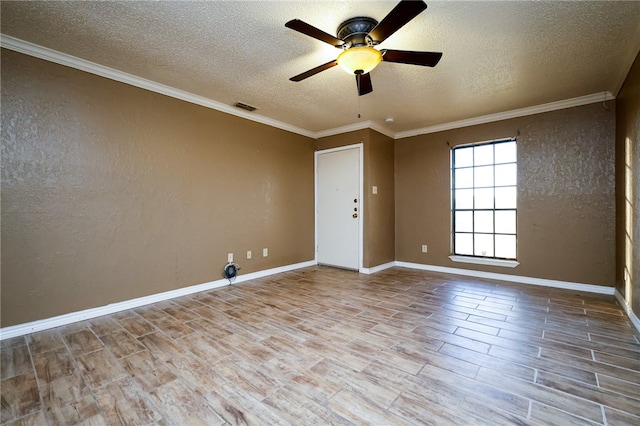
{"points": [[360, 148]]}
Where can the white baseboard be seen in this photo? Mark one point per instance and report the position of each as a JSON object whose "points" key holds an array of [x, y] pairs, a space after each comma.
{"points": [[378, 268], [61, 320], [589, 288], [66, 319], [627, 308], [272, 271]]}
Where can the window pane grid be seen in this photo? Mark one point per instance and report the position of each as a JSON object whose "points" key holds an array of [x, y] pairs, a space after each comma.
{"points": [[484, 233], [483, 199]]}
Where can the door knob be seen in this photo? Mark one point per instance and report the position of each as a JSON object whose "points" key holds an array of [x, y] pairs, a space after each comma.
{"points": [[355, 215]]}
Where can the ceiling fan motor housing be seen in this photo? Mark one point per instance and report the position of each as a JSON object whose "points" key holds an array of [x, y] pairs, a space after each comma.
{"points": [[354, 32]]}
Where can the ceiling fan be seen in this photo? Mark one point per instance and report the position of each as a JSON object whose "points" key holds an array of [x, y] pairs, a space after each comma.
{"points": [[358, 36]]}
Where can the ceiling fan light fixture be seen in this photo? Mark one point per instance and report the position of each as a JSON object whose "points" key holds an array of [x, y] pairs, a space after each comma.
{"points": [[360, 58]]}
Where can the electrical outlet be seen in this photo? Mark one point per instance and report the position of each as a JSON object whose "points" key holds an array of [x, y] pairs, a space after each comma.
{"points": [[230, 257], [248, 254], [424, 248], [265, 252]]}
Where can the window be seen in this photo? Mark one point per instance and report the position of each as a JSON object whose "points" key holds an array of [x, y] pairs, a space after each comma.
{"points": [[483, 199]]}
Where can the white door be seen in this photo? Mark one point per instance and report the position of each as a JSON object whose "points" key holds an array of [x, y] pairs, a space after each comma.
{"points": [[338, 212]]}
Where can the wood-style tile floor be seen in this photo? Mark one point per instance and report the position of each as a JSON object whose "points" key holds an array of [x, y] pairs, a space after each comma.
{"points": [[325, 346]]}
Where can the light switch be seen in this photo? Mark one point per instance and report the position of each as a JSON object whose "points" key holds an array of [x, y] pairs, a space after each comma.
{"points": [[374, 189]]}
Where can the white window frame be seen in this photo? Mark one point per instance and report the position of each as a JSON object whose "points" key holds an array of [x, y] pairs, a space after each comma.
{"points": [[476, 259]]}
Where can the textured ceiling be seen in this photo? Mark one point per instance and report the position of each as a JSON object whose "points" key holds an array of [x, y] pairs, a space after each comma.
{"points": [[497, 56]]}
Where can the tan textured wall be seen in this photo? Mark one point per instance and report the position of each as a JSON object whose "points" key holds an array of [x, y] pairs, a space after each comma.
{"points": [[344, 139], [110, 192], [628, 188], [566, 213], [379, 232], [381, 218]]}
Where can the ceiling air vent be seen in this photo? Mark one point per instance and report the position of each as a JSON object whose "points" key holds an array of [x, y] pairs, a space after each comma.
{"points": [[244, 106]]}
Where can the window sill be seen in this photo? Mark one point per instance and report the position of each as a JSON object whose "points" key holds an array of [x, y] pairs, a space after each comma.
{"points": [[483, 261]]}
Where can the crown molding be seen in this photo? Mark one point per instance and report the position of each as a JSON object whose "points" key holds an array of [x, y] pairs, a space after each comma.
{"points": [[343, 129], [381, 129], [50, 55], [369, 124], [522, 112]]}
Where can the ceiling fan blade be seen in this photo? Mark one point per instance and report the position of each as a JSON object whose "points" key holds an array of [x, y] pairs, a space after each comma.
{"points": [[311, 31], [427, 59], [314, 71], [363, 81], [404, 12]]}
